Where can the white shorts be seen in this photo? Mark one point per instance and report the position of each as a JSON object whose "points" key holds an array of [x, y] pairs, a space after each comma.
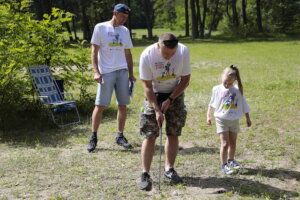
{"points": [[224, 125]]}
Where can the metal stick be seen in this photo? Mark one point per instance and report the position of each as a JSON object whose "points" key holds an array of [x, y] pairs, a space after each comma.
{"points": [[160, 152]]}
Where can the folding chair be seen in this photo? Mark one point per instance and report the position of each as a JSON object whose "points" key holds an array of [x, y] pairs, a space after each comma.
{"points": [[63, 112]]}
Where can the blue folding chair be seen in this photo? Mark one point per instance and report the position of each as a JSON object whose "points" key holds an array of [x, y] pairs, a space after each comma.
{"points": [[63, 112]]}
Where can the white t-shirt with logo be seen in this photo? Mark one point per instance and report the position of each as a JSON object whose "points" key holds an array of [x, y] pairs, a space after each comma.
{"points": [[165, 74], [229, 103], [112, 41]]}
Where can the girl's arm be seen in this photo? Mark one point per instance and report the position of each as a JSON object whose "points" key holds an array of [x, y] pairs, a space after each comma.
{"points": [[248, 119], [208, 121]]}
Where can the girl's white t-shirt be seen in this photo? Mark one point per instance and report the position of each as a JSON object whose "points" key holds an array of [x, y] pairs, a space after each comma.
{"points": [[165, 74], [112, 41], [229, 103]]}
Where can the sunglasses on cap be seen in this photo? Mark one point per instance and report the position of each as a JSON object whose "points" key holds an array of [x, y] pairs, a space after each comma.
{"points": [[170, 43]]}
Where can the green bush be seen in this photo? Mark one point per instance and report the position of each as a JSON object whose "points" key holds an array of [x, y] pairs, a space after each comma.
{"points": [[25, 42]]}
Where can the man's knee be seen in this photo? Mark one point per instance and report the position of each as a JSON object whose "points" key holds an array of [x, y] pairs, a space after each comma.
{"points": [[99, 108], [122, 107]]}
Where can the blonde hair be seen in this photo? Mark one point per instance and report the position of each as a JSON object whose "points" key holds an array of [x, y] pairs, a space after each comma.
{"points": [[233, 72]]}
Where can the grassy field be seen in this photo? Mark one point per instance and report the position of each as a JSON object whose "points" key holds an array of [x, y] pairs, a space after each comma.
{"points": [[50, 163]]}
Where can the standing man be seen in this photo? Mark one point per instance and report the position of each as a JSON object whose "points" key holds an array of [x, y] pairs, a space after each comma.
{"points": [[113, 68], [164, 99]]}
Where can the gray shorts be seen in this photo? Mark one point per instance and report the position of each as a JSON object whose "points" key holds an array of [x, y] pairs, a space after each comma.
{"points": [[175, 118], [224, 125], [118, 81]]}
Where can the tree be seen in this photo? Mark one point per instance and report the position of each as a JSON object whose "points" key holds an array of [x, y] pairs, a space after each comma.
{"points": [[43, 7], [244, 13], [213, 20], [235, 19], [195, 32], [203, 18], [149, 14], [85, 24], [187, 25], [258, 14]]}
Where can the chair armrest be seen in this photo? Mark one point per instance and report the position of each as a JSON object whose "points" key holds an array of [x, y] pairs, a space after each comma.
{"points": [[43, 97]]}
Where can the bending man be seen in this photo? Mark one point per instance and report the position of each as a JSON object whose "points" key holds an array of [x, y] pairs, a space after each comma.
{"points": [[165, 74]]}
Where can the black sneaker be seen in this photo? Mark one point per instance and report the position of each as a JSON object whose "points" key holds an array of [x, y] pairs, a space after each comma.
{"points": [[92, 144], [173, 176], [146, 182], [122, 141]]}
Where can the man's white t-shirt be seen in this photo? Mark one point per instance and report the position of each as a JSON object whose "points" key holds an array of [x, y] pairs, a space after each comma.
{"points": [[229, 103], [112, 41], [165, 74]]}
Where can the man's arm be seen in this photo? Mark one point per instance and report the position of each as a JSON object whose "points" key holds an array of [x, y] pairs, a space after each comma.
{"points": [[179, 89], [94, 58], [128, 57], [148, 91]]}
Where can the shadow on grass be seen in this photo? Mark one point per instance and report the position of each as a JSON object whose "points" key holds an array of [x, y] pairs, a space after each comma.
{"points": [[100, 149], [242, 187], [272, 173], [35, 128], [192, 150], [37, 137]]}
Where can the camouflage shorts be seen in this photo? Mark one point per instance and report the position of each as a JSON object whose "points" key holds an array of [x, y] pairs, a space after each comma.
{"points": [[175, 118]]}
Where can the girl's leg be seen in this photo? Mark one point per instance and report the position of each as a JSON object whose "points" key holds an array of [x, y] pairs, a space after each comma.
{"points": [[232, 145], [224, 137]]}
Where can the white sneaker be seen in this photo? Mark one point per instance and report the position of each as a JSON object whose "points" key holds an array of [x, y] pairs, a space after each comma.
{"points": [[226, 169], [234, 164]]}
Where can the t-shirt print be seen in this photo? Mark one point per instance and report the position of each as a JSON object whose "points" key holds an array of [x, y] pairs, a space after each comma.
{"points": [[230, 101], [167, 71], [116, 40]]}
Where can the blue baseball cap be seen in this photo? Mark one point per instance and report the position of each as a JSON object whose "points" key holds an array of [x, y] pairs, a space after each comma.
{"points": [[122, 8]]}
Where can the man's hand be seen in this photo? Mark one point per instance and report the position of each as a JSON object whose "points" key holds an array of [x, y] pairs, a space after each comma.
{"points": [[98, 77], [165, 105], [159, 118], [132, 78]]}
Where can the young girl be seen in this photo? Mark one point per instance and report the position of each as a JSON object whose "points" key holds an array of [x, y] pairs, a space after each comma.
{"points": [[229, 105]]}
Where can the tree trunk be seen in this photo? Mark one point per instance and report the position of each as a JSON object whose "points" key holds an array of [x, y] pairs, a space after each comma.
{"points": [[149, 14], [202, 22], [235, 19], [69, 30], [187, 25], [74, 28], [194, 20], [129, 20], [67, 23], [244, 13], [259, 18], [43, 7], [213, 18], [85, 22], [227, 10], [198, 17]]}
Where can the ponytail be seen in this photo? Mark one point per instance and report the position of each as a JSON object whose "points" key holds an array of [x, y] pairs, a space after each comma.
{"points": [[238, 78]]}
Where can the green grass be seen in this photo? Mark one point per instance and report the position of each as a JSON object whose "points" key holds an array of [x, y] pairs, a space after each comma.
{"points": [[138, 33], [50, 163]]}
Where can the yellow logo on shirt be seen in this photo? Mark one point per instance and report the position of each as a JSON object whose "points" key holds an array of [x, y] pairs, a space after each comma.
{"points": [[166, 74]]}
